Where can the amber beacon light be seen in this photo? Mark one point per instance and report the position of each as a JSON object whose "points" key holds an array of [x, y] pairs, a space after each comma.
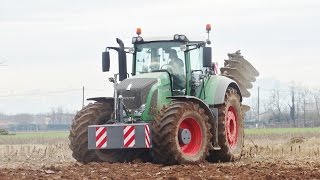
{"points": [[138, 31]]}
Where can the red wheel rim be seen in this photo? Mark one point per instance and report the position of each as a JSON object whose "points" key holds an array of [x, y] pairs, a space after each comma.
{"points": [[232, 128], [193, 126]]}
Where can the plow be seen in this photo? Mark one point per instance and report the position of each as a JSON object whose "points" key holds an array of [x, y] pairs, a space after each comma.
{"points": [[174, 108]]}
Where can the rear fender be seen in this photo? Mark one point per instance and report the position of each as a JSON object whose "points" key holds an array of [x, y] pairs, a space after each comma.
{"points": [[216, 88], [221, 91], [108, 100]]}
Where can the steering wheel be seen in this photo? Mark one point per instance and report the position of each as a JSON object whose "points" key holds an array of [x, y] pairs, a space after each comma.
{"points": [[167, 67]]}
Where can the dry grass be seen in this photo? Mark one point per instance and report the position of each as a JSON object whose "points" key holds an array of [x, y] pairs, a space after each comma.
{"points": [[34, 149], [34, 155], [291, 147], [46, 150]]}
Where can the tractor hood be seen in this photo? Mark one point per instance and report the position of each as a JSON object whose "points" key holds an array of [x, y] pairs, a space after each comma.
{"points": [[139, 89]]}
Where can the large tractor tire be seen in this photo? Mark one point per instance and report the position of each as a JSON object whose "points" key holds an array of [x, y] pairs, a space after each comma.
{"points": [[231, 130], [93, 114], [181, 134]]}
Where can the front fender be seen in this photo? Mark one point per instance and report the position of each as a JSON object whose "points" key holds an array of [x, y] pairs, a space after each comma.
{"points": [[202, 104]]}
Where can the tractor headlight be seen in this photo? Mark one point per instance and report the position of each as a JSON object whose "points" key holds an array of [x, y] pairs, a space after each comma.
{"points": [[182, 37], [140, 110], [134, 40], [139, 39], [176, 37]]}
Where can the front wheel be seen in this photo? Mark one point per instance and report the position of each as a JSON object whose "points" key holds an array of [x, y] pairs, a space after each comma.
{"points": [[94, 114], [181, 134]]}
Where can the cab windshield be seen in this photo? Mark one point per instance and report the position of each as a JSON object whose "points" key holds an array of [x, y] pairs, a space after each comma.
{"points": [[157, 56]]}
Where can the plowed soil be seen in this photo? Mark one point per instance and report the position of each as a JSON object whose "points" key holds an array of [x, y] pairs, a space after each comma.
{"points": [[136, 170], [266, 157]]}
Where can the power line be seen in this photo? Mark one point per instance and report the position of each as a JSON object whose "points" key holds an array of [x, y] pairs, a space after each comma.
{"points": [[40, 94], [49, 93]]}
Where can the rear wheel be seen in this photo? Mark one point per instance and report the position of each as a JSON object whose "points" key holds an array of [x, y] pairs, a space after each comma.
{"points": [[181, 134], [231, 131], [93, 114]]}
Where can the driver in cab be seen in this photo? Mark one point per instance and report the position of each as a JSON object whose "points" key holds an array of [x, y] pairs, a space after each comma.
{"points": [[177, 69]]}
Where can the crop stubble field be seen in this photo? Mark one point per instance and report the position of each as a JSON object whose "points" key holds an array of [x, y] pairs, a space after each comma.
{"points": [[291, 153]]}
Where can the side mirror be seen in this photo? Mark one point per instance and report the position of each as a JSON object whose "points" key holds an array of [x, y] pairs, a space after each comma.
{"points": [[207, 57], [122, 60], [105, 61]]}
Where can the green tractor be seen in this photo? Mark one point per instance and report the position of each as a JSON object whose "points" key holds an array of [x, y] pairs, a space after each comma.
{"points": [[4, 132], [174, 109]]}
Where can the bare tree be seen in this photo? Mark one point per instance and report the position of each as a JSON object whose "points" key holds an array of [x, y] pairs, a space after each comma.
{"points": [[297, 106], [293, 88], [60, 116], [301, 99], [276, 107], [316, 95]]}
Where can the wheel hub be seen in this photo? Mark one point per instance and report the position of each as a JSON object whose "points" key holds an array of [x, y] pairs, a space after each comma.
{"points": [[184, 136], [190, 136], [232, 127]]}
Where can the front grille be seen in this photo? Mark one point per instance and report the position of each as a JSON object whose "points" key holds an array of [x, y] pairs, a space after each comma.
{"points": [[137, 95]]}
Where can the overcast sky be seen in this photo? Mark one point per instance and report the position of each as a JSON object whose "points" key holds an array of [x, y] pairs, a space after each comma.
{"points": [[51, 48]]}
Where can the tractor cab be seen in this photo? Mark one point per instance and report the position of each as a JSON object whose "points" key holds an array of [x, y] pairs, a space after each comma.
{"points": [[162, 56], [187, 62]]}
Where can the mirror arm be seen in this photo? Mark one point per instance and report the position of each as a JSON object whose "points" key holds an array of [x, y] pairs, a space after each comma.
{"points": [[118, 49]]}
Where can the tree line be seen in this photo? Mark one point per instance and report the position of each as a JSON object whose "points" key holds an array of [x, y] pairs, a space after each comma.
{"points": [[56, 119], [295, 106]]}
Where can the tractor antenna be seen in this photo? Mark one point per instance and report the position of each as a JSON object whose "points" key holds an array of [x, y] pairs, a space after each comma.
{"points": [[208, 28]]}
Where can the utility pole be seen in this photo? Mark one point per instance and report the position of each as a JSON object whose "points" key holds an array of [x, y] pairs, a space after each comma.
{"points": [[304, 111], [318, 110], [292, 107], [82, 96], [258, 104]]}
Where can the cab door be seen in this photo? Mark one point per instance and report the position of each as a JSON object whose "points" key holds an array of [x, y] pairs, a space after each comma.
{"points": [[196, 71]]}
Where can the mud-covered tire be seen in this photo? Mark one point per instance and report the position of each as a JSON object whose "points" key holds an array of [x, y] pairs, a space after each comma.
{"points": [[230, 129], [79, 131], [93, 114], [167, 147]]}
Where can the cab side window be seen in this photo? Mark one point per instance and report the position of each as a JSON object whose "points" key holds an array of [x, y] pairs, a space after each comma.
{"points": [[196, 71]]}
